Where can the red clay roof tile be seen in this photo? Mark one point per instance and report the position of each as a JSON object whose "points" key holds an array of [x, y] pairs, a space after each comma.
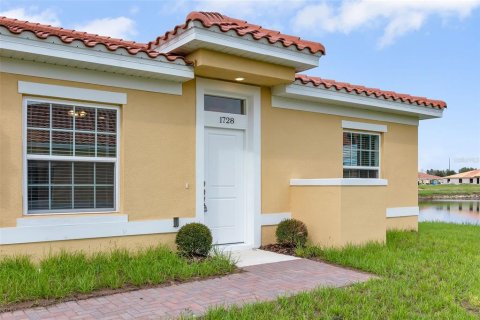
{"points": [[242, 28], [67, 36], [377, 93]]}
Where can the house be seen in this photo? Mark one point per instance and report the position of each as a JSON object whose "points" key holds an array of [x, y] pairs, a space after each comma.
{"points": [[107, 142], [425, 178], [469, 177]]}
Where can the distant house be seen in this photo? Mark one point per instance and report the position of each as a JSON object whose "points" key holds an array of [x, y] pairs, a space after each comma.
{"points": [[425, 178], [469, 177]]}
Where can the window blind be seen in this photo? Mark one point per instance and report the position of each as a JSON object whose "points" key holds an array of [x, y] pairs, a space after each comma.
{"points": [[71, 157]]}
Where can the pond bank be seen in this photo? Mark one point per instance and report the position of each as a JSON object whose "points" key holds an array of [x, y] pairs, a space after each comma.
{"points": [[450, 197]]}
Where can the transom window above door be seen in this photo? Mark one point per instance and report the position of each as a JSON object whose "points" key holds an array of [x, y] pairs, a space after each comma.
{"points": [[224, 104], [71, 157]]}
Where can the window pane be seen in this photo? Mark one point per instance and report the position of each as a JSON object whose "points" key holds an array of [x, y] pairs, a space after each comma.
{"points": [[38, 141], [104, 197], [105, 173], [38, 115], [360, 173], [106, 145], [62, 143], [106, 120], [85, 144], [83, 197], [83, 173], [374, 143], [37, 172], [38, 198], [62, 117], [61, 198], [84, 119], [223, 104], [61, 172]]}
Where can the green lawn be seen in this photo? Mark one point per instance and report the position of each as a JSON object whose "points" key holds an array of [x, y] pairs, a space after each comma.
{"points": [[67, 274], [448, 189], [433, 274]]}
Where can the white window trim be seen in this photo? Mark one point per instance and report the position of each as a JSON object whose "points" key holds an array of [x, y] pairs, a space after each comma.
{"points": [[26, 157], [364, 126], [72, 93], [339, 182], [379, 168], [252, 95]]}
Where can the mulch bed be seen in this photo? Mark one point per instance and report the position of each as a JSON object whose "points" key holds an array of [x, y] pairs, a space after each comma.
{"points": [[279, 248]]}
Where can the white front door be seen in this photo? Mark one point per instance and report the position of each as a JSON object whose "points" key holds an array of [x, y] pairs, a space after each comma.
{"points": [[224, 184]]}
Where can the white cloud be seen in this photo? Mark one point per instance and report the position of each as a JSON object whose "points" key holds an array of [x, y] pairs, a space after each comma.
{"points": [[46, 16], [396, 17], [119, 27]]}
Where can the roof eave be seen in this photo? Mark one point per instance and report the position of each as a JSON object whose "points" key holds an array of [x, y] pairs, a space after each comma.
{"points": [[195, 37], [326, 96], [51, 50]]}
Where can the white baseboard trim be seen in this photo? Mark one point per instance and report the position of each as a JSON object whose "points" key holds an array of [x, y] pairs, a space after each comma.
{"points": [[402, 212], [271, 219], [60, 230]]}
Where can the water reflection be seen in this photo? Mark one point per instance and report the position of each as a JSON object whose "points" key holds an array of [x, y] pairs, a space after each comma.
{"points": [[461, 211]]}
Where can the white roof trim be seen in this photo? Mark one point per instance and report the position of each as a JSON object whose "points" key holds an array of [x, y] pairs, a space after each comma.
{"points": [[196, 37], [316, 94], [341, 110], [51, 71], [28, 47]]}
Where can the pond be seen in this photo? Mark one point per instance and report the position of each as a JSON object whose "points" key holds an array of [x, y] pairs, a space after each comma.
{"points": [[454, 211]]}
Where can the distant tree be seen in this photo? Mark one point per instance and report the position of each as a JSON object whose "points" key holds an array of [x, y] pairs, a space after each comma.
{"points": [[466, 169], [441, 173]]}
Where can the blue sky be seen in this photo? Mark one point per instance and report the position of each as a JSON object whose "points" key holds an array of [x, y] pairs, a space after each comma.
{"points": [[427, 48]]}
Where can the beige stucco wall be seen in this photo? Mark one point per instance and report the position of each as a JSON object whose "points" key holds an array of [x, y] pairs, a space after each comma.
{"points": [[268, 235], [308, 145], [403, 223], [157, 151], [157, 160]]}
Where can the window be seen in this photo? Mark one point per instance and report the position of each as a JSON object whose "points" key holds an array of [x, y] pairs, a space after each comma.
{"points": [[361, 155], [71, 154], [223, 104]]}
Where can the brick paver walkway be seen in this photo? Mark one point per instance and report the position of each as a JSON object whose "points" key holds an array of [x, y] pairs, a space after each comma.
{"points": [[257, 283]]}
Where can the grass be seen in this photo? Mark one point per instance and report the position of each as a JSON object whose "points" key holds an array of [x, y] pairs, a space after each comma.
{"points": [[448, 189], [66, 274], [432, 274]]}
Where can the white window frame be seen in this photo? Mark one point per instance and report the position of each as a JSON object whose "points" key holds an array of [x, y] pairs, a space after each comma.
{"points": [[379, 168], [26, 157]]}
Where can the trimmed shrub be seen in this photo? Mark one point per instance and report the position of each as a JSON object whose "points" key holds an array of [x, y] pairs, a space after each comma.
{"points": [[194, 239], [292, 232]]}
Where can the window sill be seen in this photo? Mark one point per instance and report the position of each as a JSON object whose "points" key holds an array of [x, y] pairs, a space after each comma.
{"points": [[339, 182]]}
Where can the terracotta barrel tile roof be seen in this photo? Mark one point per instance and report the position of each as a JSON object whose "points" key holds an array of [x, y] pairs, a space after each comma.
{"points": [[242, 28], [466, 175], [376, 93], [67, 36], [426, 176]]}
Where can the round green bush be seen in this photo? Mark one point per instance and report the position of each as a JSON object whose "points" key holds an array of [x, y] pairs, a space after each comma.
{"points": [[291, 232], [194, 239]]}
